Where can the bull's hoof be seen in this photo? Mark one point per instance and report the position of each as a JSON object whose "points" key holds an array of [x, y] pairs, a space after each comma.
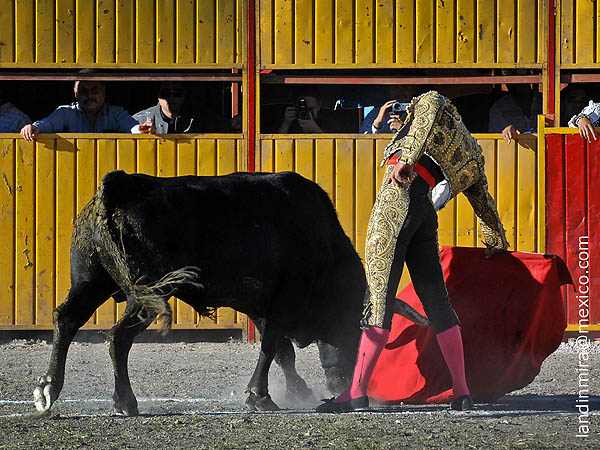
{"points": [[129, 409], [300, 394], [263, 403], [44, 394]]}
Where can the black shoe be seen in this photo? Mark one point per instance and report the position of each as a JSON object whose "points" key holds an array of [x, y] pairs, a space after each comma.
{"points": [[462, 403], [355, 404]]}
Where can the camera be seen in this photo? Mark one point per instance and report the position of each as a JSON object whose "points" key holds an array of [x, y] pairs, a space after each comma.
{"points": [[399, 108], [302, 111]]}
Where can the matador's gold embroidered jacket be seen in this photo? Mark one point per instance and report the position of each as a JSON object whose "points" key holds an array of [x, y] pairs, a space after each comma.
{"points": [[437, 130]]}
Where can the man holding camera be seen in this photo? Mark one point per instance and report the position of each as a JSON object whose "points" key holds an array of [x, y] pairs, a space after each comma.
{"points": [[389, 117], [306, 115]]}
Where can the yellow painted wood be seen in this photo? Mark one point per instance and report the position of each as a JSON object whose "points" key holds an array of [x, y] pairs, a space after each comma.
{"points": [[485, 32], [166, 31], [266, 160], [365, 45], [7, 31], [324, 175], [147, 157], [106, 162], [526, 197], [184, 32], [526, 38], [586, 21], [205, 29], [85, 35], [106, 36], [506, 27], [284, 155], [425, 31], [365, 189], [24, 32], [125, 20], [145, 36], [8, 192], [344, 184], [405, 31], [284, 26], [489, 151], [304, 158], [45, 231], [506, 194], [226, 156], [541, 191], [65, 214], [65, 31], [44, 31], [344, 33], [226, 32], [385, 44], [265, 32], [324, 33], [25, 233], [465, 31], [446, 40], [303, 39], [207, 157]]}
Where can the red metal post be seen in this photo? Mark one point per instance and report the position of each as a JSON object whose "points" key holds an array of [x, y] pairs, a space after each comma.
{"points": [[251, 85], [551, 58]]}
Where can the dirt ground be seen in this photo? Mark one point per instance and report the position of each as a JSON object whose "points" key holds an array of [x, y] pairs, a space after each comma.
{"points": [[191, 395]]}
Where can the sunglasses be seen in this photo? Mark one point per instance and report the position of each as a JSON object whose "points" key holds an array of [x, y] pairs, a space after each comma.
{"points": [[166, 93]]}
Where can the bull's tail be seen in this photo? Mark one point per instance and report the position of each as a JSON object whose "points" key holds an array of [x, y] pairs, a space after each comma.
{"points": [[405, 310], [152, 296]]}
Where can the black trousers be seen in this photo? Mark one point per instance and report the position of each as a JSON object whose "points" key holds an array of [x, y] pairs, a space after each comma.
{"points": [[417, 245]]}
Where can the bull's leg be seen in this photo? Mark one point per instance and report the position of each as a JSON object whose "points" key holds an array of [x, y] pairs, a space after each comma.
{"points": [[296, 388], [83, 299], [258, 387], [135, 319]]}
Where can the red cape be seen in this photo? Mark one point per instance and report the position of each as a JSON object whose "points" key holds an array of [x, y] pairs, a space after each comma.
{"points": [[512, 317]]}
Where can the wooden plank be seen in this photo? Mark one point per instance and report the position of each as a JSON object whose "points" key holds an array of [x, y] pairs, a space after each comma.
{"points": [[364, 190], [486, 31], [324, 171], [106, 314], [593, 213], [126, 36], [324, 36], [526, 198], [207, 157], [576, 219], [45, 232], [145, 32], [226, 156], [185, 32], [405, 31], [555, 196], [365, 24], [7, 32], [567, 32], [166, 32], [385, 37], [284, 155], [85, 35], [65, 214], [466, 223], [167, 158], [425, 31], [344, 33], [266, 32], [506, 195], [65, 31], [146, 156], [226, 31], [304, 29], [304, 162], [465, 32], [25, 31], [206, 46], [584, 24], [344, 185], [446, 34], [8, 191], [106, 32], [45, 36], [25, 233], [527, 26], [267, 156], [447, 224], [506, 26], [488, 149], [283, 32]]}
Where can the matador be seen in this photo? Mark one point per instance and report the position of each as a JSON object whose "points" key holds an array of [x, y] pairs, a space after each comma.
{"points": [[430, 160]]}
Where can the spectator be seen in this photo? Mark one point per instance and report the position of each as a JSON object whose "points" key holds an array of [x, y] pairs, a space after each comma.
{"points": [[89, 114], [169, 114], [307, 116], [12, 119], [379, 119], [515, 112], [586, 120]]}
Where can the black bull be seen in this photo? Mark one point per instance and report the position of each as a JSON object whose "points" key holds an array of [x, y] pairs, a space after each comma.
{"points": [[268, 245]]}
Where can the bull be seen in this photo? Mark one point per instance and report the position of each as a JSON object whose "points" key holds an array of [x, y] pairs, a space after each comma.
{"points": [[268, 245]]}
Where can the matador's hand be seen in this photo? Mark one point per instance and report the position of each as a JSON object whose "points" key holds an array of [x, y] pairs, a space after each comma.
{"points": [[401, 175]]}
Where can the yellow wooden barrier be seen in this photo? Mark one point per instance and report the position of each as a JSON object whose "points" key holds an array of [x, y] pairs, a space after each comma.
{"points": [[578, 23], [402, 33], [123, 33], [44, 185], [347, 167]]}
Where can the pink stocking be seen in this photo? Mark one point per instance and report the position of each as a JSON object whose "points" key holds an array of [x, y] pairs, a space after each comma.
{"points": [[450, 342]]}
